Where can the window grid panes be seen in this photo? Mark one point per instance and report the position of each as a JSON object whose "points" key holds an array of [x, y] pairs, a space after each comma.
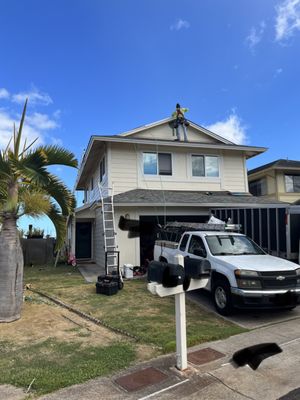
{"points": [[292, 183], [206, 166], [198, 166], [157, 163]]}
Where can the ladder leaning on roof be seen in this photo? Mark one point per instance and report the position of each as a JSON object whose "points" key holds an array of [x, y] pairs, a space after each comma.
{"points": [[109, 229]]}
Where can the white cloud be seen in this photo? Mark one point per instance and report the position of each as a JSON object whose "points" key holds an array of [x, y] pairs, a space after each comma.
{"points": [[255, 35], [34, 97], [230, 128], [41, 121], [7, 122], [287, 19], [4, 94], [180, 24], [36, 126]]}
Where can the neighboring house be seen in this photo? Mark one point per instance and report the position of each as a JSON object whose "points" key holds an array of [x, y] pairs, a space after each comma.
{"points": [[157, 179], [279, 179]]}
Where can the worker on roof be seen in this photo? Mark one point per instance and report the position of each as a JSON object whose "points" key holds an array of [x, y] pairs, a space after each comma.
{"points": [[180, 120]]}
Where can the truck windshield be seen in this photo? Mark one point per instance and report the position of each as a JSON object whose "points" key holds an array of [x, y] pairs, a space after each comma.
{"points": [[222, 245]]}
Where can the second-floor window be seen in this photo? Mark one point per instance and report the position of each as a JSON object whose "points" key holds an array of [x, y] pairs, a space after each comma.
{"points": [[258, 187], [102, 169], [205, 166], [292, 183], [157, 163]]}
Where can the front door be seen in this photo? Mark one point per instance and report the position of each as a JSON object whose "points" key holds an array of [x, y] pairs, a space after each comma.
{"points": [[83, 240]]}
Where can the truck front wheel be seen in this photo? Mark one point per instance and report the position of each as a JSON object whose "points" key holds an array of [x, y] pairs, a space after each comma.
{"points": [[222, 297]]}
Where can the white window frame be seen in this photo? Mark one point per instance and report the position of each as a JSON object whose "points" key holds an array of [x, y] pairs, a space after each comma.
{"points": [[103, 162], [205, 177], [157, 175], [285, 185]]}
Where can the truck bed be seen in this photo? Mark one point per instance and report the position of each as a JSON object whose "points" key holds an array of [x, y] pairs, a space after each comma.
{"points": [[167, 243]]}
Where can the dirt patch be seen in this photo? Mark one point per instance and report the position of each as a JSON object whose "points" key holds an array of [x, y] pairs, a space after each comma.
{"points": [[145, 352], [9, 392], [41, 320]]}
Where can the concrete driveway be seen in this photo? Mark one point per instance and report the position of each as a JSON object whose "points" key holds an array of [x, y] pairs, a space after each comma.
{"points": [[249, 319]]}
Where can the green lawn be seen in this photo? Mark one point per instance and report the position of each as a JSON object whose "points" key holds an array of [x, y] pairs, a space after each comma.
{"points": [[70, 354], [55, 364], [134, 309]]}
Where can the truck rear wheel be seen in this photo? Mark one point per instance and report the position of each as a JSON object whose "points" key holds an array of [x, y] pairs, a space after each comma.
{"points": [[222, 297]]}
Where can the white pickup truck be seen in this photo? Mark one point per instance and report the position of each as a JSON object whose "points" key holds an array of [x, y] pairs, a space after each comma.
{"points": [[243, 275]]}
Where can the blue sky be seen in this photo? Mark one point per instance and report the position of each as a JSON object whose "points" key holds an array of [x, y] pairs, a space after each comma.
{"points": [[103, 67]]}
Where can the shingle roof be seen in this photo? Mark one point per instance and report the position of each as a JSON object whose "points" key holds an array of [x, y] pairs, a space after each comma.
{"points": [[180, 197], [281, 163]]}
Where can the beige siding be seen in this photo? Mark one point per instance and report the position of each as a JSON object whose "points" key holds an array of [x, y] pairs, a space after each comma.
{"points": [[93, 194], [283, 195], [123, 167], [234, 177], [126, 170], [165, 132], [275, 185]]}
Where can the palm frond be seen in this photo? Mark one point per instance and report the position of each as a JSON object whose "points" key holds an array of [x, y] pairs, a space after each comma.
{"points": [[7, 147], [55, 155], [3, 194], [5, 171], [26, 148], [31, 169], [18, 136], [62, 195], [60, 223], [33, 202]]}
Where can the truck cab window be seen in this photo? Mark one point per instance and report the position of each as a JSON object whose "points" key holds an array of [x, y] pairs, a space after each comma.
{"points": [[183, 242], [197, 247]]}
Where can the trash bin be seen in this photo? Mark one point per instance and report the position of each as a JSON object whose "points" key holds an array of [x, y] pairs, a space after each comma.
{"points": [[128, 271]]}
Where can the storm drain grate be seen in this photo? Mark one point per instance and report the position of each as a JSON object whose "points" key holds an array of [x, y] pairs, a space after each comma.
{"points": [[204, 356], [140, 379]]}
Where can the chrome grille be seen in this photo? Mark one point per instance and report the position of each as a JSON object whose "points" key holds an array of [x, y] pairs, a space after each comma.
{"points": [[279, 279]]}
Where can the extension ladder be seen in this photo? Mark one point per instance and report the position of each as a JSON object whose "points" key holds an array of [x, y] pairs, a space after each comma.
{"points": [[109, 229]]}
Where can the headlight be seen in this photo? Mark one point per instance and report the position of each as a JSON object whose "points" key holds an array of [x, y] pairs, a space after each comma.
{"points": [[241, 273], [248, 284]]}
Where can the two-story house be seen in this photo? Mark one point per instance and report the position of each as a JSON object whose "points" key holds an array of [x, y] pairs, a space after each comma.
{"points": [[279, 179], [155, 179]]}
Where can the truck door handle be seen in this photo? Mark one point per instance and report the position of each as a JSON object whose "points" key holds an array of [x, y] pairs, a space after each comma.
{"points": [[187, 256]]}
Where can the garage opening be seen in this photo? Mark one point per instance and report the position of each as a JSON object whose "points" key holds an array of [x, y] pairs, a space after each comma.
{"points": [[149, 231]]}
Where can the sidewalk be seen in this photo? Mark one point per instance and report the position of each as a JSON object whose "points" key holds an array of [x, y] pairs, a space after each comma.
{"points": [[216, 379]]}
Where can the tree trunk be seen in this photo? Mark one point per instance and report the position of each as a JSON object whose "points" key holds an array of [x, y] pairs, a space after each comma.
{"points": [[11, 269]]}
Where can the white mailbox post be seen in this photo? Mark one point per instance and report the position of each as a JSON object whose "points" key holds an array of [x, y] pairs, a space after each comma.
{"points": [[180, 312]]}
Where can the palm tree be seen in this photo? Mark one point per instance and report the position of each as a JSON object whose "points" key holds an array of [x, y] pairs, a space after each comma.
{"points": [[27, 188]]}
